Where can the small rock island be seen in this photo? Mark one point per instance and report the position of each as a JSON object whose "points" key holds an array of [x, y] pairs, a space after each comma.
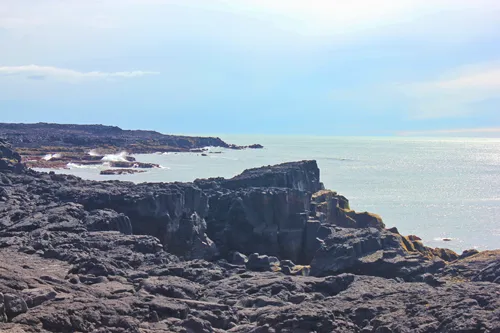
{"points": [[270, 250]]}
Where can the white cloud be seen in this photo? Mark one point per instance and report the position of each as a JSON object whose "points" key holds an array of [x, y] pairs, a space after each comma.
{"points": [[454, 94], [488, 79], [486, 131], [63, 74], [313, 17], [48, 30]]}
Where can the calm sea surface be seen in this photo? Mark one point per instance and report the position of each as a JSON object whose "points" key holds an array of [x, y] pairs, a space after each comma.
{"points": [[434, 188]]}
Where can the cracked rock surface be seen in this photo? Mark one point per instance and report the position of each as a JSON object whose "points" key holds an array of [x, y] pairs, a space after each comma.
{"points": [[267, 251]]}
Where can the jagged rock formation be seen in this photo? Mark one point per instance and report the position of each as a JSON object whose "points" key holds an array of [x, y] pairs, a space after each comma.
{"points": [[223, 256], [9, 159]]}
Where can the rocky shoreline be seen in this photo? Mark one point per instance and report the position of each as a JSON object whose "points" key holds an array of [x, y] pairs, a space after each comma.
{"points": [[269, 250], [54, 146]]}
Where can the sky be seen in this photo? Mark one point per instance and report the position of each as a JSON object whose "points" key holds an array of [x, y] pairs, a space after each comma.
{"points": [[343, 67]]}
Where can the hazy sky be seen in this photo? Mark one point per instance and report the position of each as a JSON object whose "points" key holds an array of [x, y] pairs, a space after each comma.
{"points": [[353, 67]]}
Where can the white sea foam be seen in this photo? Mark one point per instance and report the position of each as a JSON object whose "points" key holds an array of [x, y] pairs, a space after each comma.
{"points": [[81, 166], [213, 149], [121, 157], [93, 153], [48, 157]]}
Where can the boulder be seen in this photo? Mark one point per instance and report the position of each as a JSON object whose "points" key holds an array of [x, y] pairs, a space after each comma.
{"points": [[107, 219], [14, 305], [239, 258], [38, 296], [262, 263]]}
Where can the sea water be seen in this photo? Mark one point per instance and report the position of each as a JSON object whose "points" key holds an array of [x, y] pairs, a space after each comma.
{"points": [[434, 188]]}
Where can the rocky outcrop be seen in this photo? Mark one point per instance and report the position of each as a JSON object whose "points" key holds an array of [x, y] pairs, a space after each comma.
{"points": [[9, 159], [302, 176], [139, 165], [110, 172], [236, 255], [331, 208], [368, 251]]}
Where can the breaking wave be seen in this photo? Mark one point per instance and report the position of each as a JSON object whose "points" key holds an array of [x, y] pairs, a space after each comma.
{"points": [[121, 157], [48, 157], [213, 149], [81, 166]]}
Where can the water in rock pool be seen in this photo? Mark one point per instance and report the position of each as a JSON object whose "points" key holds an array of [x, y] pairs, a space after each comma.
{"points": [[438, 189]]}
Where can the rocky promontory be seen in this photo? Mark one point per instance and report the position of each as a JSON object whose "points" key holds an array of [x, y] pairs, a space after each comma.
{"points": [[45, 145], [269, 250]]}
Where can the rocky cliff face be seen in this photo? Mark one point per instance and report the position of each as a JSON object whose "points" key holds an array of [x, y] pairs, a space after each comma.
{"points": [[262, 220], [83, 256], [302, 176], [263, 210]]}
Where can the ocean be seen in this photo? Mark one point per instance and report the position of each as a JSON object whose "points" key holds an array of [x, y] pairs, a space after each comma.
{"points": [[435, 188]]}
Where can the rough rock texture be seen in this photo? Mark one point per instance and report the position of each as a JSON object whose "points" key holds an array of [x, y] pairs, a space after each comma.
{"points": [[9, 159], [114, 257], [270, 220], [302, 176], [332, 208], [369, 251], [110, 172]]}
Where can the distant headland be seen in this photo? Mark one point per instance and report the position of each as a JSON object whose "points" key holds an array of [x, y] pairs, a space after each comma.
{"points": [[47, 145]]}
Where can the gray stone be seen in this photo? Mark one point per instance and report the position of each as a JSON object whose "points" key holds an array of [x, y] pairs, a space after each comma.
{"points": [[14, 305]]}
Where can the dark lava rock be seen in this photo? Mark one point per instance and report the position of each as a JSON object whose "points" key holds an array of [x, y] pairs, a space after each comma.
{"points": [[9, 159], [302, 176], [261, 263], [269, 220], [110, 172], [256, 146], [239, 258], [468, 253], [140, 165], [115, 257], [14, 305]]}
